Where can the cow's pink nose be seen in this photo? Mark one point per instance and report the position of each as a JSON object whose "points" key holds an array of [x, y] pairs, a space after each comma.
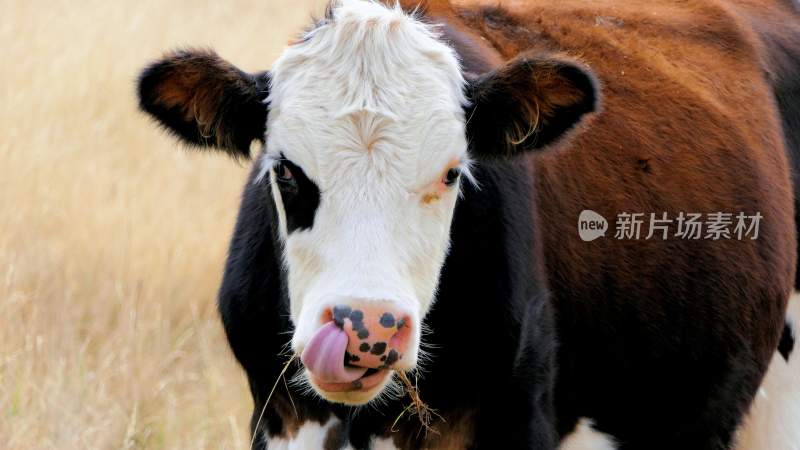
{"points": [[378, 335], [355, 338]]}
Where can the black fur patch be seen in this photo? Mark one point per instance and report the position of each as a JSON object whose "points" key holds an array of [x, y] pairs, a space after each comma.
{"points": [[300, 200], [786, 344], [786, 88], [206, 101], [527, 104]]}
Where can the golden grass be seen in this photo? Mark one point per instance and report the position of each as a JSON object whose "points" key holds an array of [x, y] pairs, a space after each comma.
{"points": [[112, 239]]}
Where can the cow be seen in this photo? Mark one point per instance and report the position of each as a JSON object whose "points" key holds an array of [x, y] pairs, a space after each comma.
{"points": [[406, 270]]}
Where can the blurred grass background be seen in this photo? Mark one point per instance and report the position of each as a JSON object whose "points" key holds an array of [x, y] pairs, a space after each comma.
{"points": [[112, 237]]}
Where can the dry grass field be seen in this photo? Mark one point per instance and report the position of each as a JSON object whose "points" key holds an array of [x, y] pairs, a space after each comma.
{"points": [[112, 238]]}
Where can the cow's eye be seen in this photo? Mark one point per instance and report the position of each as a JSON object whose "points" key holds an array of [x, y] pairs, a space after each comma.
{"points": [[451, 176], [283, 174]]}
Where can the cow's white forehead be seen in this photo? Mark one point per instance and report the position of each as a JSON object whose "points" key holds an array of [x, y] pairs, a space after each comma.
{"points": [[369, 78]]}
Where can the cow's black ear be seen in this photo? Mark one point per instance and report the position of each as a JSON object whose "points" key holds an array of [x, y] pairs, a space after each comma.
{"points": [[527, 104], [205, 100]]}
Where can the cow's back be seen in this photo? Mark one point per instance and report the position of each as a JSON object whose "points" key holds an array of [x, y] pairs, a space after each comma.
{"points": [[689, 124]]}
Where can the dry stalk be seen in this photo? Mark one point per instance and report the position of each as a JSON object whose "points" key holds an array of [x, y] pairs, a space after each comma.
{"points": [[260, 416], [417, 407]]}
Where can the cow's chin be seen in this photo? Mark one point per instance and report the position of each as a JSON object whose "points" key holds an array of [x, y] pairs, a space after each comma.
{"points": [[359, 392]]}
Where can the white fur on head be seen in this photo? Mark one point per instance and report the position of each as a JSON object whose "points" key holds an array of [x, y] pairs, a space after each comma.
{"points": [[370, 105]]}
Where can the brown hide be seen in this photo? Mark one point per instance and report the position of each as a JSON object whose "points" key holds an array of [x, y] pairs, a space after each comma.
{"points": [[689, 124]]}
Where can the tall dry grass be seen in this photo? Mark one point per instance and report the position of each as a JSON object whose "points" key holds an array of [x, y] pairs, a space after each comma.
{"points": [[111, 237]]}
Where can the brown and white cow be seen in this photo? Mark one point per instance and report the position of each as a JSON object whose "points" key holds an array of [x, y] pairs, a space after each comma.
{"points": [[421, 175]]}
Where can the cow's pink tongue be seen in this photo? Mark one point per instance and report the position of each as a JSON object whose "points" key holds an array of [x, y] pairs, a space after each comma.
{"points": [[324, 356]]}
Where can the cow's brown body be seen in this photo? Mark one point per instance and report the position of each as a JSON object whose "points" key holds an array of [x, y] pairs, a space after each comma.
{"points": [[689, 124]]}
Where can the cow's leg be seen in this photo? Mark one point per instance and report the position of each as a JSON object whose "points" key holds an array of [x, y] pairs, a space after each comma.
{"points": [[680, 402], [774, 422], [309, 434], [774, 418], [518, 412]]}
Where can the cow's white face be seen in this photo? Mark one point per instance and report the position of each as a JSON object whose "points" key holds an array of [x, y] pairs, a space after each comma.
{"points": [[365, 138], [364, 152]]}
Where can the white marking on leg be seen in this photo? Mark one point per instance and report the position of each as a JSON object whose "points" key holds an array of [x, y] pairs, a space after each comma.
{"points": [[383, 444], [774, 419], [584, 437], [311, 435]]}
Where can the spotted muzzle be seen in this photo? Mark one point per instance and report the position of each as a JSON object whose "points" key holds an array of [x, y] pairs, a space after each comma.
{"points": [[356, 338]]}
